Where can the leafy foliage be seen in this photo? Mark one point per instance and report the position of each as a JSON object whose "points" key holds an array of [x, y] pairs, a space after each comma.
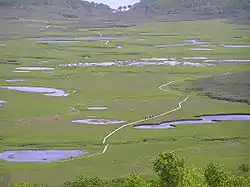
{"points": [[216, 175], [169, 168], [244, 167]]}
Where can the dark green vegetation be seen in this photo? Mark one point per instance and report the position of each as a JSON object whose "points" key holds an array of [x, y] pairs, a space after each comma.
{"points": [[52, 10], [232, 86], [194, 9], [170, 171], [196, 6]]}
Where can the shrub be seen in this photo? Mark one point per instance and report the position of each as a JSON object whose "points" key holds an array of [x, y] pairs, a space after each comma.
{"points": [[216, 175], [244, 168], [26, 184]]}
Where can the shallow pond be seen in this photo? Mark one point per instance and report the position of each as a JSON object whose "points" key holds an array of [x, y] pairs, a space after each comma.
{"points": [[100, 64], [68, 39], [98, 121], [34, 68], [187, 43], [194, 58], [21, 71], [40, 155], [201, 120], [97, 108], [2, 102], [196, 42], [15, 80], [226, 61], [172, 45], [140, 63], [47, 91], [236, 46], [201, 49]]}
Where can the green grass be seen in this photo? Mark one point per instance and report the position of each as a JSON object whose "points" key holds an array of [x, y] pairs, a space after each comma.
{"points": [[130, 93], [232, 86]]}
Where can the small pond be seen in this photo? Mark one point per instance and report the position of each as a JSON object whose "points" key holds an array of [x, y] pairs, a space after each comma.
{"points": [[21, 71], [68, 39], [15, 80], [196, 42], [34, 68], [201, 49], [236, 46], [194, 58], [201, 120], [98, 121], [187, 43], [227, 61], [47, 91], [97, 108], [2, 102], [40, 155]]}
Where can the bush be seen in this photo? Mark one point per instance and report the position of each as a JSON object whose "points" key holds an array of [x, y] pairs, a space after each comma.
{"points": [[26, 184], [169, 168], [86, 182], [217, 176], [244, 168]]}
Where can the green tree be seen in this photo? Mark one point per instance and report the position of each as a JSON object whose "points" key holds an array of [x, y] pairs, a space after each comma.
{"points": [[134, 180], [82, 181], [217, 176], [169, 168], [192, 177], [120, 8]]}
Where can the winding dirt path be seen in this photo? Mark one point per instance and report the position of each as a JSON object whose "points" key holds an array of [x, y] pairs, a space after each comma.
{"points": [[140, 121], [143, 120], [104, 142]]}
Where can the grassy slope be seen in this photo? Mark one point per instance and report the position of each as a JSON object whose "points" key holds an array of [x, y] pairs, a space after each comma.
{"points": [[130, 94], [232, 86]]}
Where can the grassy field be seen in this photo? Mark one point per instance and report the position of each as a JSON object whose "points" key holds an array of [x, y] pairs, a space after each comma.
{"points": [[130, 93], [232, 86]]}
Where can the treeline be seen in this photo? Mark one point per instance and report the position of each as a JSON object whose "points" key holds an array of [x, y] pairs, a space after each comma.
{"points": [[193, 6], [170, 171], [75, 4]]}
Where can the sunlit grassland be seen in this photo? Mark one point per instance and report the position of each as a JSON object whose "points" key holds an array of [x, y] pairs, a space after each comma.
{"points": [[130, 93]]}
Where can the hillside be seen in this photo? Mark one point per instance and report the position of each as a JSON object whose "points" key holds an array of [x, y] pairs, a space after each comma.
{"points": [[52, 9], [198, 7]]}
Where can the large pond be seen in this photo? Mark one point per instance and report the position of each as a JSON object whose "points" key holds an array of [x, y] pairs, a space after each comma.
{"points": [[40, 155], [48, 91], [201, 120]]}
